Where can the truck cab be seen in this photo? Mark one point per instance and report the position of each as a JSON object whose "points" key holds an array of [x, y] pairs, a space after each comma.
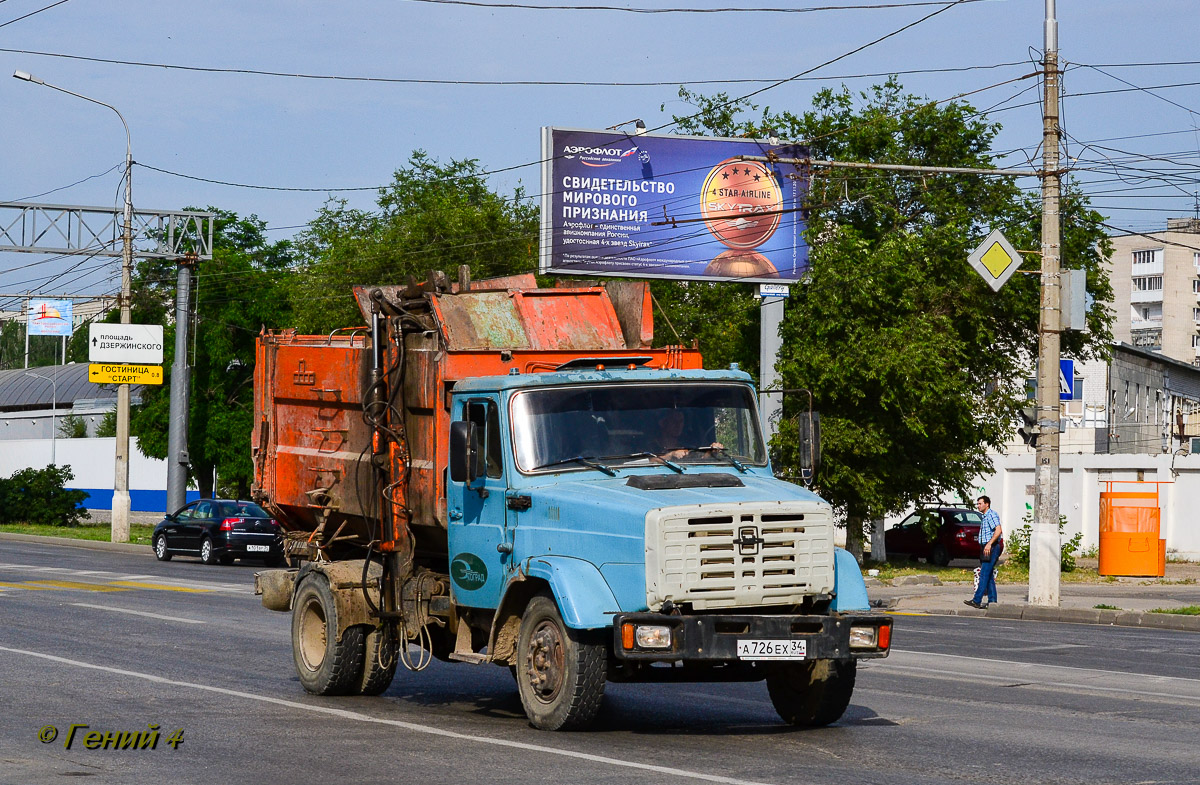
{"points": [[642, 504]]}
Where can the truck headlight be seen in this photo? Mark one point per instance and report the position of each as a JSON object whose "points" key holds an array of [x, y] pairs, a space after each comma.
{"points": [[870, 637], [647, 636]]}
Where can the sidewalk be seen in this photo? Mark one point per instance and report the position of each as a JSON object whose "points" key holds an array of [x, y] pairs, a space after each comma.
{"points": [[1135, 597]]}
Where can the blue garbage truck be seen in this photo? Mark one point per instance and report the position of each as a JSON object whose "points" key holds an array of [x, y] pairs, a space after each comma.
{"points": [[493, 473]]}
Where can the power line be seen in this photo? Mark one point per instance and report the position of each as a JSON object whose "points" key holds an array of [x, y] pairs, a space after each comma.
{"points": [[730, 10], [806, 72], [65, 187], [484, 82], [33, 13]]}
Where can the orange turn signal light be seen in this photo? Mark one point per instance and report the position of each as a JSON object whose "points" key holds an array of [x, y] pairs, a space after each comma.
{"points": [[627, 636], [885, 636]]}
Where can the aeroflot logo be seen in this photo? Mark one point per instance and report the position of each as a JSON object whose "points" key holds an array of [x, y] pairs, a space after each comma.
{"points": [[598, 156]]}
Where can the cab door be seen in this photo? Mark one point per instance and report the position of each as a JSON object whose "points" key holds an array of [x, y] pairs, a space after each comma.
{"points": [[480, 543]]}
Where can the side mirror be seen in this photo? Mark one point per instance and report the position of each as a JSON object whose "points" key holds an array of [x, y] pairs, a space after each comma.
{"points": [[464, 451], [810, 446]]}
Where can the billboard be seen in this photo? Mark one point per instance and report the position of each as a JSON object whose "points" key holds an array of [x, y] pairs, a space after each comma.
{"points": [[683, 207], [49, 317]]}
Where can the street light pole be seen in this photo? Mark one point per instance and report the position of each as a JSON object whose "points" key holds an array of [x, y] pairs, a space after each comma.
{"points": [[120, 502], [53, 411]]}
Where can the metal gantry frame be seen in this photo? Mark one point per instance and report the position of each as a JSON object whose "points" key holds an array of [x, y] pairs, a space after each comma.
{"points": [[30, 227]]}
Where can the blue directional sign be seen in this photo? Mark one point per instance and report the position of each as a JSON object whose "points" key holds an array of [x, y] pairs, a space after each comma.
{"points": [[1066, 380]]}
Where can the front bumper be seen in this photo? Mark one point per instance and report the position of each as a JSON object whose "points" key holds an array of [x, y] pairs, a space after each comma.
{"points": [[714, 638]]}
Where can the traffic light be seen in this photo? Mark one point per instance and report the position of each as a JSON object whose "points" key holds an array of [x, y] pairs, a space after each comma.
{"points": [[1029, 429]]}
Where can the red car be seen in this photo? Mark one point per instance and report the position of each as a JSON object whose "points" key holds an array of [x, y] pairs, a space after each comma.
{"points": [[936, 534]]}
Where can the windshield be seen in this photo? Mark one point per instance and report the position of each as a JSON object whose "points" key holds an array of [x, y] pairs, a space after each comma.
{"points": [[687, 423]]}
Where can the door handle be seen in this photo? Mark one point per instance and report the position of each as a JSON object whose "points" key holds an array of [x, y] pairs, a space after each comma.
{"points": [[504, 547], [456, 515]]}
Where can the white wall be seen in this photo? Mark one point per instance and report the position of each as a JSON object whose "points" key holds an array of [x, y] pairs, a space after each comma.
{"points": [[91, 461], [1081, 480]]}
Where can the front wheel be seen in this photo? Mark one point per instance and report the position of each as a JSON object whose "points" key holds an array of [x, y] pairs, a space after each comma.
{"points": [[325, 665], [560, 673], [813, 693], [161, 552]]}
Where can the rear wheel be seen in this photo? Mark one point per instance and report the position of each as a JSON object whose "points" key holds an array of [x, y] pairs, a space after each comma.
{"points": [[160, 548], [380, 655], [812, 693], [940, 556], [325, 665], [207, 555], [560, 672]]}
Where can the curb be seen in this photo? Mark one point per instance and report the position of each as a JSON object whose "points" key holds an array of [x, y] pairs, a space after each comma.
{"points": [[1160, 621], [91, 545]]}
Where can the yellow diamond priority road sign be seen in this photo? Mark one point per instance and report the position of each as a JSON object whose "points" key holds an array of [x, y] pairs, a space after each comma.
{"points": [[103, 373], [995, 259]]}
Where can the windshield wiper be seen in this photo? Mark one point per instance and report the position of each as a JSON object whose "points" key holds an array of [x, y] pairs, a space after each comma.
{"points": [[723, 452], [669, 464], [586, 461]]}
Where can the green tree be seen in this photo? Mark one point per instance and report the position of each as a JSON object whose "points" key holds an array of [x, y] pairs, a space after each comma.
{"points": [[72, 427], [107, 427], [916, 366], [432, 216], [239, 291]]}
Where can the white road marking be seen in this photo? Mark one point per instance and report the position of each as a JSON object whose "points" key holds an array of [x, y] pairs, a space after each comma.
{"points": [[411, 727], [1037, 675], [136, 613]]}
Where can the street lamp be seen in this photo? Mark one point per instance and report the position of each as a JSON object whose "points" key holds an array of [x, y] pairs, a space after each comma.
{"points": [[53, 411], [120, 503]]}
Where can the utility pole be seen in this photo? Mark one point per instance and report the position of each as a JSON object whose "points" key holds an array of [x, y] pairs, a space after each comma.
{"points": [[1044, 559], [121, 502], [177, 425]]}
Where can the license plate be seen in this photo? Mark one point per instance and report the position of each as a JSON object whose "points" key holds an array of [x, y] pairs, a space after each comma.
{"points": [[772, 650], [256, 548]]}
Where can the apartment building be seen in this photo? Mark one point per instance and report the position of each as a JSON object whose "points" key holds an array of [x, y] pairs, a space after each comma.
{"points": [[1156, 290]]}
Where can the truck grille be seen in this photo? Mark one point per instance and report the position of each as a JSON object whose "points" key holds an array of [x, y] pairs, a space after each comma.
{"points": [[738, 555]]}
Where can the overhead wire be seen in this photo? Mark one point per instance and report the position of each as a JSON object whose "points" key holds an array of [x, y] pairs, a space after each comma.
{"points": [[485, 82], [692, 10], [33, 13]]}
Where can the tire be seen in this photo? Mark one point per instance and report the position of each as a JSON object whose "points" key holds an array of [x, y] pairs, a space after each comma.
{"points": [[207, 555], [814, 693], [560, 672], [325, 665], [379, 644], [161, 552], [940, 556]]}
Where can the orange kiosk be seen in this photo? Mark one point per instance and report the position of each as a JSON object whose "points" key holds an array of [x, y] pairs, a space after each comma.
{"points": [[1130, 523]]}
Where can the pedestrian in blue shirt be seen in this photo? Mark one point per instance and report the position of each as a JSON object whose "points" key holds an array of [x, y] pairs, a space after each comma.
{"points": [[991, 538]]}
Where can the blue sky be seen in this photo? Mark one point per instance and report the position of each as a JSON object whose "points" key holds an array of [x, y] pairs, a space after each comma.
{"points": [[330, 134]]}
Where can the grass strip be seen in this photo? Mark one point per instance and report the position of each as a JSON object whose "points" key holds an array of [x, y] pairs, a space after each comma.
{"points": [[139, 534]]}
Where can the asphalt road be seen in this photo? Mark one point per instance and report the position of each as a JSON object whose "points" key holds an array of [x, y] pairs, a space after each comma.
{"points": [[119, 641]]}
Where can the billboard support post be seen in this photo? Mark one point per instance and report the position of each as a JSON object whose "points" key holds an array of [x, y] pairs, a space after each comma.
{"points": [[769, 343]]}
